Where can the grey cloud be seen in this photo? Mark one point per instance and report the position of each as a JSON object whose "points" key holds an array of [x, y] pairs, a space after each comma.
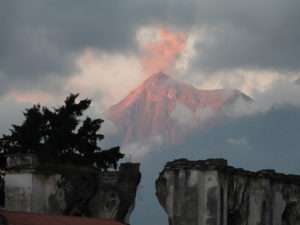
{"points": [[254, 34], [282, 93], [40, 38], [185, 117], [182, 115]]}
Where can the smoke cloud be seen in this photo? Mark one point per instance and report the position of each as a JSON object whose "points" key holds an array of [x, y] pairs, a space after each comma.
{"points": [[105, 78], [161, 54]]}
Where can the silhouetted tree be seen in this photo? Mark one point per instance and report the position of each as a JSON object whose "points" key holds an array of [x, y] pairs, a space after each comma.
{"points": [[59, 136]]}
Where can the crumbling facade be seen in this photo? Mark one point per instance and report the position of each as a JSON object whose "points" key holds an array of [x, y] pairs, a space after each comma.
{"points": [[210, 192], [32, 187]]}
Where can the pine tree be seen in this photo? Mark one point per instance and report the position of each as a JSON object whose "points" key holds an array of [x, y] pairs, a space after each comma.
{"points": [[60, 136]]}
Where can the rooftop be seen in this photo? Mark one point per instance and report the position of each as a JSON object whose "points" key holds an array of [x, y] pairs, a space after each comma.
{"points": [[23, 218]]}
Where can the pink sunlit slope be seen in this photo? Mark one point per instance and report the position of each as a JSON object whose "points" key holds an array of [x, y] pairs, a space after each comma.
{"points": [[147, 110]]}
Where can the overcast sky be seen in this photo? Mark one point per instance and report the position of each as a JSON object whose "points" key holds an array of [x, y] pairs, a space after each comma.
{"points": [[42, 41], [49, 48]]}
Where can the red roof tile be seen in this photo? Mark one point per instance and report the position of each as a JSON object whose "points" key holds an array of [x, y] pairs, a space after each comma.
{"points": [[23, 218]]}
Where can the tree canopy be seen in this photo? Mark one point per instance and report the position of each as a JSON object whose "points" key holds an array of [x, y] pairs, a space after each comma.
{"points": [[60, 136]]}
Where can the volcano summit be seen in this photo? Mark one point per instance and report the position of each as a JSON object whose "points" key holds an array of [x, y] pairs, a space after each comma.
{"points": [[163, 106]]}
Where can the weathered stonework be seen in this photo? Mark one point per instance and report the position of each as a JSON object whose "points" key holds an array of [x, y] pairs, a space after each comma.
{"points": [[33, 188], [210, 192], [26, 190]]}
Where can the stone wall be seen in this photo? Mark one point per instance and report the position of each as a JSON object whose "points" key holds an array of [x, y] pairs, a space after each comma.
{"points": [[74, 191], [210, 192]]}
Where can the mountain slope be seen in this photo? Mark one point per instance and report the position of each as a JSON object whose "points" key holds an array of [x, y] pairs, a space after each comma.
{"points": [[164, 107]]}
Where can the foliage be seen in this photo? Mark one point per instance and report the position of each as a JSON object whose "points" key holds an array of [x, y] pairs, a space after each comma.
{"points": [[59, 136]]}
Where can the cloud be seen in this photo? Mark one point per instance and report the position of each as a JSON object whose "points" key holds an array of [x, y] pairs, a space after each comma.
{"points": [[183, 115], [137, 151], [160, 54], [31, 97], [250, 35], [281, 93], [268, 88], [39, 39], [167, 49], [185, 59], [106, 77], [186, 117], [247, 81], [42, 38]]}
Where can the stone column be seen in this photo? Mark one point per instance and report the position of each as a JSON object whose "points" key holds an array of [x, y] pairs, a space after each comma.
{"points": [[26, 190]]}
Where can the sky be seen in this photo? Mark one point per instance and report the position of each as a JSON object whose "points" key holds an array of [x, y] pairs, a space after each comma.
{"points": [[49, 48], [104, 49]]}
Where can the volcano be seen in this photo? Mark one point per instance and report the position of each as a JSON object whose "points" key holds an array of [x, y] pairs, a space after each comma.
{"points": [[162, 106]]}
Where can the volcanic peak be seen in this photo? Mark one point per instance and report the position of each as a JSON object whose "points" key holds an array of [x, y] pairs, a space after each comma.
{"points": [[153, 108]]}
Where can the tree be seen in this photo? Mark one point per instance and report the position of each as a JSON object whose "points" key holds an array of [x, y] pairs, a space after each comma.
{"points": [[59, 136]]}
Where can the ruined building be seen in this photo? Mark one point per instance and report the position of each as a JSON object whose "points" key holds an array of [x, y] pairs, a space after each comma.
{"points": [[35, 188], [210, 192], [204, 192]]}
